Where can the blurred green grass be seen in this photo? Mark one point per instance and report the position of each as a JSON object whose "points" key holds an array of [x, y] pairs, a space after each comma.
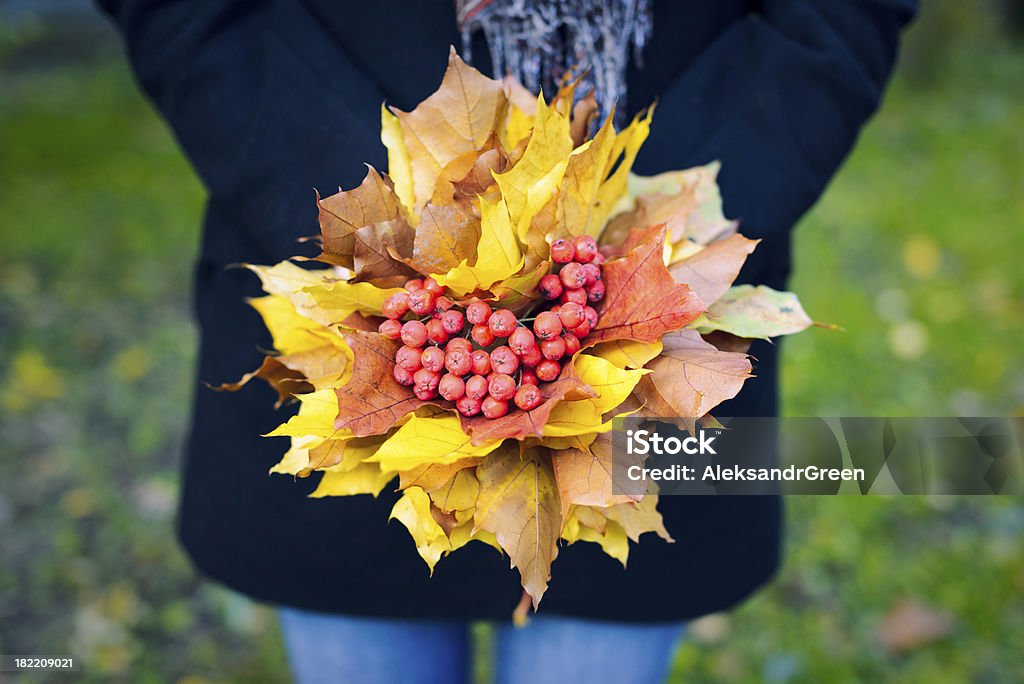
{"points": [[914, 250]]}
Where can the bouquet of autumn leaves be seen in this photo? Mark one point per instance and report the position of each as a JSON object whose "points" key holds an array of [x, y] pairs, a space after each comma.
{"points": [[491, 305]]}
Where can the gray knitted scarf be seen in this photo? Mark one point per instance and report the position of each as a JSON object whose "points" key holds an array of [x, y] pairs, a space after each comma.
{"points": [[536, 41]]}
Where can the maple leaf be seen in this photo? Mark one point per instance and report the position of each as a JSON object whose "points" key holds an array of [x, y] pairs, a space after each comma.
{"points": [[687, 201], [413, 510], [690, 377], [584, 476], [459, 493], [380, 253], [642, 301], [518, 503], [755, 312], [342, 214], [284, 380], [627, 353], [458, 118], [445, 236], [434, 439], [434, 475], [498, 255], [611, 386], [372, 401], [528, 185], [710, 272], [519, 424], [607, 533], [638, 518]]}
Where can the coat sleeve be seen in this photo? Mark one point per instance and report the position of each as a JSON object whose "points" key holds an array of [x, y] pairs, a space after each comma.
{"points": [[263, 104], [779, 99], [201, 64]]}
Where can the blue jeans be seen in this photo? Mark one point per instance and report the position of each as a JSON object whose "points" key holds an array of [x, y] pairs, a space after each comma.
{"points": [[353, 650]]}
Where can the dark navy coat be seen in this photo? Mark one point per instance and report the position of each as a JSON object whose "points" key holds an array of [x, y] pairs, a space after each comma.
{"points": [[271, 99]]}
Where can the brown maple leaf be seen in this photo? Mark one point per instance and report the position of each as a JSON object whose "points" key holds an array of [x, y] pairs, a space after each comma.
{"points": [[584, 476], [518, 503], [518, 423], [284, 380], [345, 212], [642, 302], [372, 401], [690, 376], [711, 271], [445, 236]]}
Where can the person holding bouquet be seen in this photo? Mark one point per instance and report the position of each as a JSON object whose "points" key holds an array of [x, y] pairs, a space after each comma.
{"points": [[271, 99]]}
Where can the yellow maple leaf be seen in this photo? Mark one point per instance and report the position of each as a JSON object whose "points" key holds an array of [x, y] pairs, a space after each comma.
{"points": [[611, 384], [413, 511], [528, 185], [399, 164], [436, 439], [498, 254], [627, 353]]}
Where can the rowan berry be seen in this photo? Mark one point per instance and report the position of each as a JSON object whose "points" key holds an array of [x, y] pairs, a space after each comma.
{"points": [[421, 302], [482, 335], [403, 376], [576, 295], [572, 344], [501, 386], [458, 362], [453, 322], [571, 314], [396, 306], [390, 329], [477, 313], [531, 357], [547, 325], [432, 359], [451, 387], [481, 362], [433, 287], [528, 397], [467, 406], [504, 360], [586, 248], [476, 387], [409, 358], [553, 349], [572, 275], [502, 322], [436, 332], [550, 286], [521, 340], [548, 370], [493, 408], [562, 251]]}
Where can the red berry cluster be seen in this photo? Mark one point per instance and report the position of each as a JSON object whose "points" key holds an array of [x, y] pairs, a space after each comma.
{"points": [[483, 359]]}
